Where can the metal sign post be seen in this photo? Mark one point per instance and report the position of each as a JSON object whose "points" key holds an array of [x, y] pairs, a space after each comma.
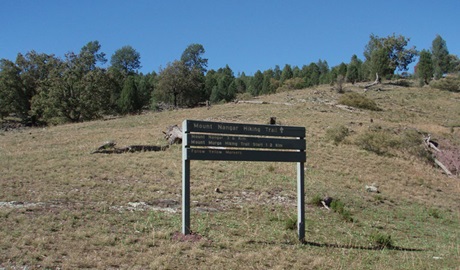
{"points": [[204, 140]]}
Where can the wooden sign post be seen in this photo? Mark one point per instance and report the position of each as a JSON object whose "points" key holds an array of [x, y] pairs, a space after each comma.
{"points": [[204, 140]]}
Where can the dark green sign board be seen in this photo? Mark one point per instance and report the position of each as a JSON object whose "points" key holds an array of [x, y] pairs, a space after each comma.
{"points": [[204, 140]]}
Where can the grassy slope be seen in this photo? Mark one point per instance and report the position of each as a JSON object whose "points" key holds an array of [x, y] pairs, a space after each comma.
{"points": [[82, 216]]}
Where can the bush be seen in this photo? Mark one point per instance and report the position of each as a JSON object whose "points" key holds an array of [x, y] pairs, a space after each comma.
{"points": [[450, 83], [337, 134], [358, 101], [316, 200], [339, 207], [378, 142], [382, 240]]}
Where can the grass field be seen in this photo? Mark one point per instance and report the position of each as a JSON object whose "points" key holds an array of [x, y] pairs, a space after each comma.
{"points": [[62, 207]]}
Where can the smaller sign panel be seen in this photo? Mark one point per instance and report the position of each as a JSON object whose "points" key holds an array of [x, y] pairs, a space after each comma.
{"points": [[244, 155], [243, 142]]}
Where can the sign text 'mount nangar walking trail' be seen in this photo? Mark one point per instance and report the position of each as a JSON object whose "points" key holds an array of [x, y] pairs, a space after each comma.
{"points": [[203, 140]]}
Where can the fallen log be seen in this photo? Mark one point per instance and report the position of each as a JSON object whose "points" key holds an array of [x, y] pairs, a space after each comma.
{"points": [[443, 167], [111, 149]]}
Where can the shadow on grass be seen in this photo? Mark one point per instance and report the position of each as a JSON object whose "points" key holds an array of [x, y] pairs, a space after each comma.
{"points": [[378, 247]]}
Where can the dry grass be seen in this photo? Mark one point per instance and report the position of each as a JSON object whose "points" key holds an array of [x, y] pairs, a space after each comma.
{"points": [[77, 210]]}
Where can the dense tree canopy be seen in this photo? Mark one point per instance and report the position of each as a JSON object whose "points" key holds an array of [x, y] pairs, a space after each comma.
{"points": [[38, 87]]}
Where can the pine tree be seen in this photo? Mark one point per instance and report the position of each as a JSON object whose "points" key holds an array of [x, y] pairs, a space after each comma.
{"points": [[425, 67], [440, 55], [129, 100]]}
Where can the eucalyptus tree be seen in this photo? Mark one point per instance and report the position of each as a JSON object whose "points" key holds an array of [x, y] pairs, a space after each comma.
{"points": [[388, 54]]}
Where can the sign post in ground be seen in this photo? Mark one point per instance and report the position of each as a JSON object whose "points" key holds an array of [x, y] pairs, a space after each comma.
{"points": [[203, 140]]}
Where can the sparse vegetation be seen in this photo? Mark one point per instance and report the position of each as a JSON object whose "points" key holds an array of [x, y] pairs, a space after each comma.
{"points": [[381, 240], [62, 207], [358, 101], [337, 134]]}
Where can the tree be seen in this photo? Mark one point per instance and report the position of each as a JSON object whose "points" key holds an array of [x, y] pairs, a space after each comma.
{"points": [[129, 100], [12, 99], [425, 68], [440, 55], [225, 89], [36, 69], [256, 83], [192, 57], [126, 60], [354, 70], [287, 73], [180, 85], [76, 89], [389, 54]]}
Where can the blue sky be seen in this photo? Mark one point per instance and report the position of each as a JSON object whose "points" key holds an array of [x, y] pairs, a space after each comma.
{"points": [[247, 35]]}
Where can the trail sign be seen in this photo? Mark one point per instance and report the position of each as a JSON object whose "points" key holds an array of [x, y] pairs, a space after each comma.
{"points": [[203, 140]]}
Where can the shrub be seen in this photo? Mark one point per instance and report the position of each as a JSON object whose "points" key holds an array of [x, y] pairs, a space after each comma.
{"points": [[339, 207], [378, 142], [337, 134], [450, 83], [382, 240], [358, 101], [316, 200]]}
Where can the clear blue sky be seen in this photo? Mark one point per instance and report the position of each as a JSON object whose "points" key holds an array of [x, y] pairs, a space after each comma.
{"points": [[248, 35]]}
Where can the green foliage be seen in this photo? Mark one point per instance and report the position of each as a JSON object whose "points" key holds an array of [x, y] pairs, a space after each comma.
{"points": [[339, 207], [126, 59], [440, 55], [425, 67], [287, 73], [358, 101], [449, 83], [179, 85], [225, 88], [12, 99], [337, 134], [316, 200], [354, 73], [129, 101], [378, 141], [385, 55], [381, 240], [291, 84], [192, 57]]}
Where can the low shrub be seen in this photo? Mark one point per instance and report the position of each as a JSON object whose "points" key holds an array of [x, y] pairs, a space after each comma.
{"points": [[358, 101], [339, 207], [337, 134], [382, 240], [449, 83]]}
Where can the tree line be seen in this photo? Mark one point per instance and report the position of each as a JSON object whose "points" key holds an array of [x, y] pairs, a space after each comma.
{"points": [[45, 89]]}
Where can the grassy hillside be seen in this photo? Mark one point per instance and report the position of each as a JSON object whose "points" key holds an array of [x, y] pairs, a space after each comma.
{"points": [[61, 206]]}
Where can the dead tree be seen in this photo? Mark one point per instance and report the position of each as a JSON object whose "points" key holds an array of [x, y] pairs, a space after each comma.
{"points": [[173, 134], [377, 81]]}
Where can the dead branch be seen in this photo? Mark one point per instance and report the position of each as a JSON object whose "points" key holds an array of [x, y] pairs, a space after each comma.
{"points": [[173, 134], [377, 81], [444, 168]]}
